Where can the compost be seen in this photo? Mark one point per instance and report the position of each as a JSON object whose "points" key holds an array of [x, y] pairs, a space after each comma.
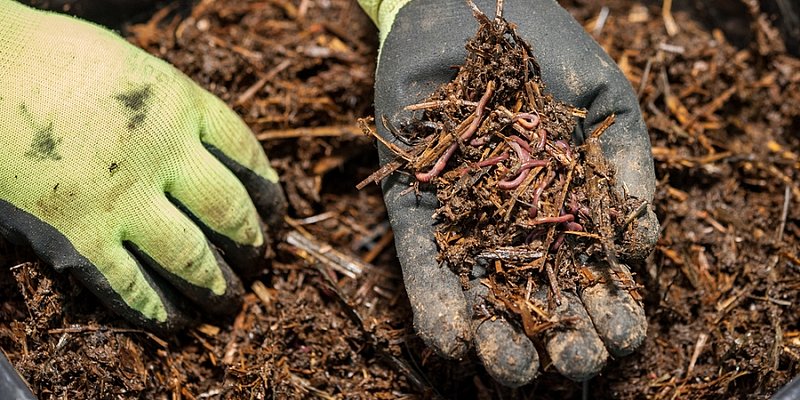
{"points": [[330, 318]]}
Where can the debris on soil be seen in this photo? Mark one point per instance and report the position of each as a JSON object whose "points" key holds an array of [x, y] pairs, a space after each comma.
{"points": [[518, 197], [720, 290]]}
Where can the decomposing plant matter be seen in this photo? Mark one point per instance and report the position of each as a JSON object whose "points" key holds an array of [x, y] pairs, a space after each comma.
{"points": [[518, 197]]}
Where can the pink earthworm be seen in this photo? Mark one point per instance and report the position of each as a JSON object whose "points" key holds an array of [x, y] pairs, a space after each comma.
{"points": [[524, 170], [533, 163], [438, 167], [479, 141], [573, 226], [522, 143], [534, 210], [542, 139], [522, 154], [564, 146], [558, 242], [492, 161], [478, 113], [548, 220], [535, 234], [485, 163], [573, 204], [527, 120], [508, 185], [519, 146]]}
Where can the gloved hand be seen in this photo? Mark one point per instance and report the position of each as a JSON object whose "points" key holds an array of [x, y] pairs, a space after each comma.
{"points": [[118, 168], [420, 42]]}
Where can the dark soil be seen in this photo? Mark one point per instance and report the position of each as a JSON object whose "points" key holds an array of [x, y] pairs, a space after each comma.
{"points": [[719, 291]]}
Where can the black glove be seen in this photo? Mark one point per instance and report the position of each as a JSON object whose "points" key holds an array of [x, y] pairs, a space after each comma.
{"points": [[418, 54]]}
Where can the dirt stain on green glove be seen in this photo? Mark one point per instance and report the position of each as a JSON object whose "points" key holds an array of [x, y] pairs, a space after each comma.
{"points": [[136, 103], [44, 144]]}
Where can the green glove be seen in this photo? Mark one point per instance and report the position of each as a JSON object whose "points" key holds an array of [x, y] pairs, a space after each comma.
{"points": [[420, 42], [118, 168]]}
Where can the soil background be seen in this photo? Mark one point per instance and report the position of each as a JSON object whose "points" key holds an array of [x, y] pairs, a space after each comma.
{"points": [[331, 320]]}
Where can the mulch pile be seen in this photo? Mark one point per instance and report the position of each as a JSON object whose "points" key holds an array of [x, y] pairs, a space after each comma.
{"points": [[331, 319]]}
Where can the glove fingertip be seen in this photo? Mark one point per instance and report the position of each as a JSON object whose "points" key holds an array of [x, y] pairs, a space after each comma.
{"points": [[507, 354], [640, 238]]}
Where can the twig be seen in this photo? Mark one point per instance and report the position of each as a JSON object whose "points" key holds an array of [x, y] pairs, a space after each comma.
{"points": [[325, 253], [645, 77], [378, 248], [479, 15], [439, 103], [698, 349], [603, 126], [601, 21], [321, 131], [498, 10], [87, 329], [306, 386], [635, 214], [551, 275], [669, 22], [583, 234], [262, 292], [391, 146], [787, 196], [252, 90], [384, 171]]}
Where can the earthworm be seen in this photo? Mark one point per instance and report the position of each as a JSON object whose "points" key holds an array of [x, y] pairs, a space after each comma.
{"points": [[438, 167], [560, 219], [524, 156], [527, 120], [564, 146], [485, 163], [492, 161], [568, 225], [479, 141], [479, 112], [522, 143], [535, 234], [524, 170], [558, 242], [542, 139], [533, 163], [508, 185], [534, 210]]}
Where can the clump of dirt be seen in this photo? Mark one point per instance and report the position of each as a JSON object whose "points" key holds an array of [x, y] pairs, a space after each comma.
{"points": [[519, 198]]}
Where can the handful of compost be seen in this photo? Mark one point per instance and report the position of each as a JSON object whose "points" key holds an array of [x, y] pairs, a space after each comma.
{"points": [[520, 200]]}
